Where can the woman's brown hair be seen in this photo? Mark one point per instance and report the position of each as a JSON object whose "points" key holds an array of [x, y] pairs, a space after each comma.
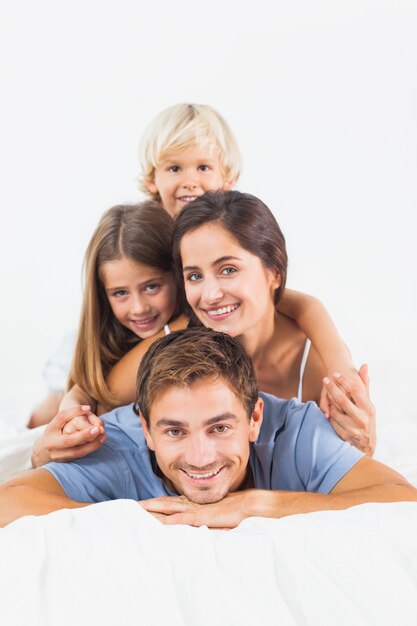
{"points": [[246, 218]]}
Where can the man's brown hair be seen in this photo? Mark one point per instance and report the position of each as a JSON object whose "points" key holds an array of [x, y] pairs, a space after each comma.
{"points": [[186, 356]]}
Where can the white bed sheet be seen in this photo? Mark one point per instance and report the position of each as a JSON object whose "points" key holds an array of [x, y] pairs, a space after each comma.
{"points": [[113, 563]]}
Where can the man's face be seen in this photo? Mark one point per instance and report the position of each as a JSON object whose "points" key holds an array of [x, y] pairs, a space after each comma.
{"points": [[200, 436]]}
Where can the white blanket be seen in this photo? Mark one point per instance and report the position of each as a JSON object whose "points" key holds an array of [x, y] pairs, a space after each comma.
{"points": [[16, 449], [113, 563]]}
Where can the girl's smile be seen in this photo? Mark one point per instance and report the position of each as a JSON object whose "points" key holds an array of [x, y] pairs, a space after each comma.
{"points": [[142, 298]]}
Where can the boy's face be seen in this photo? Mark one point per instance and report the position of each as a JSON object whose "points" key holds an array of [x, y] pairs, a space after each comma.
{"points": [[183, 176], [201, 436]]}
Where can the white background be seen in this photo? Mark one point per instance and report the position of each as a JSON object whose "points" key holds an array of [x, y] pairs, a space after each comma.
{"points": [[322, 97]]}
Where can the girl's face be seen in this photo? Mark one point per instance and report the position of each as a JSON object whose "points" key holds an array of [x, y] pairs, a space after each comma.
{"points": [[142, 298], [229, 288]]}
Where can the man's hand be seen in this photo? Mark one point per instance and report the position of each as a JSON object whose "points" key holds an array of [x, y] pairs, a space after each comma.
{"points": [[227, 513], [367, 481], [350, 410], [72, 434]]}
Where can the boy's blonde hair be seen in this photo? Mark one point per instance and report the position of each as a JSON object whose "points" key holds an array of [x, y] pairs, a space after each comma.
{"points": [[183, 125]]}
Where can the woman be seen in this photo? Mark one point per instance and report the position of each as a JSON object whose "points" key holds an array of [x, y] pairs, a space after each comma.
{"points": [[230, 252]]}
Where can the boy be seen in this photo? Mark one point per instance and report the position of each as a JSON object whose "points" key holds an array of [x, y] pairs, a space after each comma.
{"points": [[187, 150]]}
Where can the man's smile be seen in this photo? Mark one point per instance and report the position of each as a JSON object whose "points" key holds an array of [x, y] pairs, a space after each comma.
{"points": [[203, 477]]}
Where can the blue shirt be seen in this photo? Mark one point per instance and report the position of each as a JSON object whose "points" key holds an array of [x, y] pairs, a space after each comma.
{"points": [[297, 450]]}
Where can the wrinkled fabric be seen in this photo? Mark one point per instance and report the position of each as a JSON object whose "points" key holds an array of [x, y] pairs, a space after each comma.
{"points": [[113, 563]]}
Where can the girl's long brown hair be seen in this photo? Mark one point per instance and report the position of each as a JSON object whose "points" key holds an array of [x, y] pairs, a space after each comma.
{"points": [[141, 233]]}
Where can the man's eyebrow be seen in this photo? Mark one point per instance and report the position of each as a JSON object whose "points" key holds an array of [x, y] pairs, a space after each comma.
{"points": [[222, 259], [168, 421], [174, 423], [220, 418]]}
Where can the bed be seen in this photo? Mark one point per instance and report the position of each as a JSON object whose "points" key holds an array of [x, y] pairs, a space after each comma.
{"points": [[113, 563]]}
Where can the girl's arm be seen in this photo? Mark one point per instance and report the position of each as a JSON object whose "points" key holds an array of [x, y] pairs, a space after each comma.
{"points": [[76, 395], [122, 378], [346, 400], [46, 409]]}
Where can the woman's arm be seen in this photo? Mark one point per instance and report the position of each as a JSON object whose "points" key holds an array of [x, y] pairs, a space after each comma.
{"points": [[56, 445], [351, 412], [122, 378], [355, 420], [74, 432], [315, 322]]}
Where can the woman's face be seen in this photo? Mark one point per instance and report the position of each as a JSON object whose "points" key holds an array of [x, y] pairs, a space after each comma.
{"points": [[142, 298], [229, 289]]}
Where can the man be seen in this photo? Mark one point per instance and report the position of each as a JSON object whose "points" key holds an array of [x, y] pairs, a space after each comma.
{"points": [[208, 449]]}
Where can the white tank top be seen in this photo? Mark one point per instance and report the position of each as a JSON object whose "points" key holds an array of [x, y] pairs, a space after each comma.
{"points": [[302, 368]]}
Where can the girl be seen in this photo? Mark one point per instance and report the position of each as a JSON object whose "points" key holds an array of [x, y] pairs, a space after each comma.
{"points": [[130, 294]]}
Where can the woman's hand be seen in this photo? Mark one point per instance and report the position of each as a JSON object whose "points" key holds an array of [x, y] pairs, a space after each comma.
{"points": [[346, 403], [72, 434]]}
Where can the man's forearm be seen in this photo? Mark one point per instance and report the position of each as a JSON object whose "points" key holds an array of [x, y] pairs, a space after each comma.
{"points": [[237, 506], [282, 503], [19, 500]]}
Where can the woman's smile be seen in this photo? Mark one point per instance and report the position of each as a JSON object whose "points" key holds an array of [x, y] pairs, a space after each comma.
{"points": [[228, 287]]}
